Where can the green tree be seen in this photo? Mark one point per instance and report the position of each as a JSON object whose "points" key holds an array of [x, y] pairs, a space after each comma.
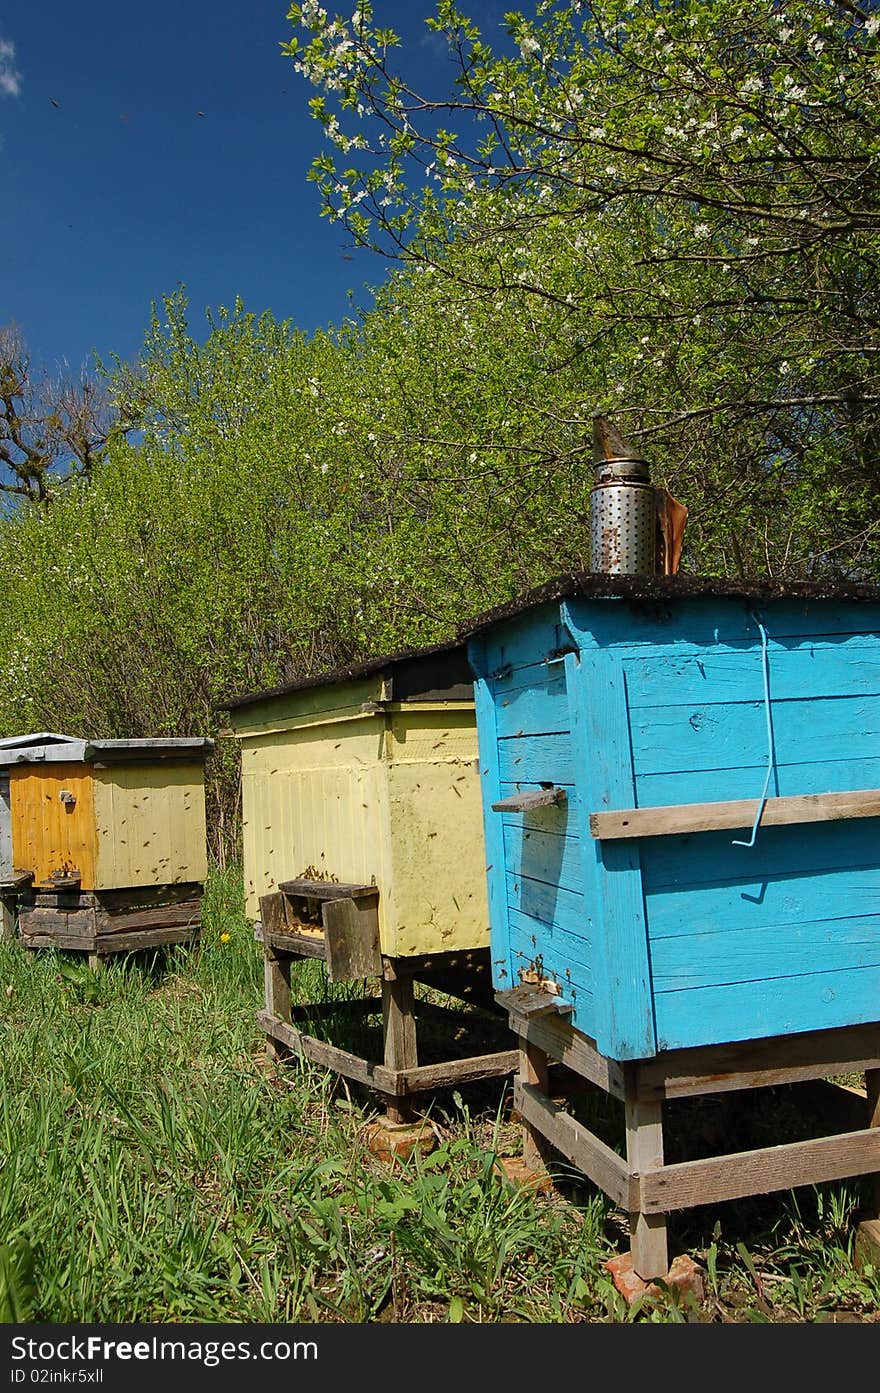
{"points": [[701, 180], [52, 431]]}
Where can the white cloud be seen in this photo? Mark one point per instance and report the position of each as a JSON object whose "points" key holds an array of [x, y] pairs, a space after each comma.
{"points": [[10, 77]]}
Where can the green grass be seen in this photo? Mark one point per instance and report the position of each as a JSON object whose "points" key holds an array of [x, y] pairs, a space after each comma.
{"points": [[155, 1167]]}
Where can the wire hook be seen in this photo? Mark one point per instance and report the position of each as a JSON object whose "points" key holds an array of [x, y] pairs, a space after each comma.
{"points": [[771, 753]]}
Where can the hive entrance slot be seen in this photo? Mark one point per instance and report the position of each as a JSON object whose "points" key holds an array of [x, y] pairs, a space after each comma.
{"points": [[323, 919]]}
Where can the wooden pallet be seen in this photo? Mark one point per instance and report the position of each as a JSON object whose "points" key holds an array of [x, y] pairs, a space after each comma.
{"points": [[641, 1183]]}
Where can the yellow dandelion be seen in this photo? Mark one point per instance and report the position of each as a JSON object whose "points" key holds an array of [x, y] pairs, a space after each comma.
{"points": [[224, 938]]}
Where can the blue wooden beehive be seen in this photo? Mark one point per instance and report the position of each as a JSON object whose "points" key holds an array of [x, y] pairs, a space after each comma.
{"points": [[602, 698]]}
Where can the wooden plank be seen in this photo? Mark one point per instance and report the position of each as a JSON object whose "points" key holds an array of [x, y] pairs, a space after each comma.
{"points": [[325, 890], [790, 780], [61, 884], [713, 817], [49, 834], [623, 1018], [291, 944], [340, 1061], [533, 701], [276, 995], [579, 1146], [351, 928], [781, 1005], [149, 938], [150, 822], [545, 847], [146, 897], [872, 1100], [522, 641], [187, 914], [534, 1070], [760, 1063], [77, 921], [767, 909], [115, 943], [493, 832], [272, 915], [527, 802], [276, 983], [518, 682], [399, 1035], [454, 1071], [725, 735], [555, 1035], [39, 939], [824, 669], [693, 623], [537, 759], [16, 882], [731, 1177], [530, 1000], [750, 953], [554, 905], [297, 945], [644, 1152], [64, 899], [712, 859], [7, 918]]}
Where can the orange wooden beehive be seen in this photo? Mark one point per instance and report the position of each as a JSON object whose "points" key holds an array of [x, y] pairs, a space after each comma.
{"points": [[110, 814]]}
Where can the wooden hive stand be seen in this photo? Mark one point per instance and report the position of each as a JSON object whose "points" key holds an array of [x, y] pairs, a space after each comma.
{"points": [[59, 914], [640, 1183], [339, 925], [12, 890]]}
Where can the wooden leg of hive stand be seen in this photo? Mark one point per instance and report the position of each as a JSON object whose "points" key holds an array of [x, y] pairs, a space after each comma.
{"points": [[867, 1239], [533, 1069], [399, 1031], [644, 1152], [872, 1087], [7, 919], [96, 962], [276, 981]]}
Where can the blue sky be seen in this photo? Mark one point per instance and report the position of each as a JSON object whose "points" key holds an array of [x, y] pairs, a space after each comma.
{"points": [[117, 190]]}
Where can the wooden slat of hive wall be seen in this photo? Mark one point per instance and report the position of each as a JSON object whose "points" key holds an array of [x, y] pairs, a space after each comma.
{"points": [[71, 920], [185, 914], [540, 919], [39, 926]]}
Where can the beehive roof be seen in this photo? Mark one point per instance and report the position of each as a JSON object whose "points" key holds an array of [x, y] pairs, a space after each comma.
{"points": [[38, 746], [662, 589], [47, 747], [414, 663]]}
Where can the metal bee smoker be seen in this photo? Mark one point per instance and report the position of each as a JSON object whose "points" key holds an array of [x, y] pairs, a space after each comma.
{"points": [[623, 507]]}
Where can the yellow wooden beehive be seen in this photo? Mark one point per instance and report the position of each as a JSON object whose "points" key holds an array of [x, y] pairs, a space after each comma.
{"points": [[369, 776], [111, 814]]}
